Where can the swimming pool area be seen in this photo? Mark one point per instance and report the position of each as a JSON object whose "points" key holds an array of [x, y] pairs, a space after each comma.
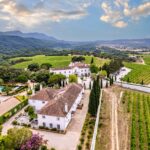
{"points": [[1, 88], [13, 88]]}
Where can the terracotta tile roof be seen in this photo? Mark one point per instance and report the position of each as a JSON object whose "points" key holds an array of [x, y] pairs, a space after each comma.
{"points": [[57, 106], [46, 94], [64, 68]]}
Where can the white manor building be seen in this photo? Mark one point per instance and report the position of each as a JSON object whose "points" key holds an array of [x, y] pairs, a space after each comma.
{"points": [[55, 107], [77, 68]]}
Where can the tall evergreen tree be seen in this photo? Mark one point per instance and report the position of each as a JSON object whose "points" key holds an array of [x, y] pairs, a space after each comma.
{"points": [[92, 60]]}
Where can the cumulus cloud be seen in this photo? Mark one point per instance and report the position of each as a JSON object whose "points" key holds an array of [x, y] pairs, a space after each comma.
{"points": [[142, 10], [120, 24], [119, 12], [18, 13]]}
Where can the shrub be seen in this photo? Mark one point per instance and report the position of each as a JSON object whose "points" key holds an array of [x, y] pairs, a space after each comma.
{"points": [[81, 140], [79, 147], [14, 122], [87, 144]]}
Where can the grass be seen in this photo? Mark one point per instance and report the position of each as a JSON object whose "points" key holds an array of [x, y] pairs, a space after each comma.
{"points": [[56, 61], [139, 72]]}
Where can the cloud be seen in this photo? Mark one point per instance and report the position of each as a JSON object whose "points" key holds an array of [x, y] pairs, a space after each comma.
{"points": [[120, 24], [111, 16], [19, 13], [136, 13], [119, 12]]}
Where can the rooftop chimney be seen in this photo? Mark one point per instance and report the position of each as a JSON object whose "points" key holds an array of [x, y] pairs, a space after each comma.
{"points": [[66, 107], [41, 87]]}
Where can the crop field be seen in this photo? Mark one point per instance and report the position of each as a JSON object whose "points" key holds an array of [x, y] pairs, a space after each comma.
{"points": [[139, 72], [56, 61], [147, 59], [137, 105]]}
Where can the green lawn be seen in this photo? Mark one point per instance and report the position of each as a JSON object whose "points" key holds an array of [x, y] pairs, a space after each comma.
{"points": [[56, 61], [139, 72]]}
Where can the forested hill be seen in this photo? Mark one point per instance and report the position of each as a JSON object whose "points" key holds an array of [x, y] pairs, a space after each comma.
{"points": [[15, 44], [18, 43]]}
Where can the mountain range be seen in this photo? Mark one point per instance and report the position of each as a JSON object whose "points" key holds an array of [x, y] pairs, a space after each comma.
{"points": [[17, 41]]}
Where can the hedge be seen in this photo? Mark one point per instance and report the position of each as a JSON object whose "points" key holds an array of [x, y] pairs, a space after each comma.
{"points": [[13, 111]]}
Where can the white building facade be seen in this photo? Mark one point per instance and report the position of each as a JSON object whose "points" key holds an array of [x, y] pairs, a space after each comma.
{"points": [[79, 69], [56, 112]]}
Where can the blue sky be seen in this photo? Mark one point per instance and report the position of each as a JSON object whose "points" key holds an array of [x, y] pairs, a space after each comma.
{"points": [[78, 19]]}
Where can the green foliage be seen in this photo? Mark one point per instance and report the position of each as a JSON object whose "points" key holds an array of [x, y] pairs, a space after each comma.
{"points": [[16, 137], [10, 113], [94, 69], [34, 67], [56, 79], [7, 89], [46, 66], [78, 58], [41, 76], [31, 112], [113, 66], [94, 97], [1, 81], [1, 127], [72, 78], [22, 78], [92, 60]]}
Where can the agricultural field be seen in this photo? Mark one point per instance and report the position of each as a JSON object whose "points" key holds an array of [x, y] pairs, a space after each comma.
{"points": [[146, 59], [139, 72], [137, 105], [133, 120], [56, 61]]}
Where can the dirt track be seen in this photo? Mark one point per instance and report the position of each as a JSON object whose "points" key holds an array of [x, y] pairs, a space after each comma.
{"points": [[114, 119]]}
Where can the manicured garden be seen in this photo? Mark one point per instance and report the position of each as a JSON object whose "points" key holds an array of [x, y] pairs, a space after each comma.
{"points": [[137, 105], [56, 61], [13, 111]]}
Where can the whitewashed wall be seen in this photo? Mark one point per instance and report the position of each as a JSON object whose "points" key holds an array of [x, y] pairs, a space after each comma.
{"points": [[62, 121]]}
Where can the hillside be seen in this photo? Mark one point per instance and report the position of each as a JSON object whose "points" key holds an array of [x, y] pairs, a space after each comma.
{"points": [[18, 43]]}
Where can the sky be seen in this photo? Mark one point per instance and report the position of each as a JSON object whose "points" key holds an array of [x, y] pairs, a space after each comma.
{"points": [[78, 20]]}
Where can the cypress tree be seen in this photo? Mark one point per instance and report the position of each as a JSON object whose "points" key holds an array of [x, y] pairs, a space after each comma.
{"points": [[92, 105]]}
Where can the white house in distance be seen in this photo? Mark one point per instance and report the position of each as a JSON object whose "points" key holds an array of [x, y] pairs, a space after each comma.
{"points": [[77, 68], [55, 106]]}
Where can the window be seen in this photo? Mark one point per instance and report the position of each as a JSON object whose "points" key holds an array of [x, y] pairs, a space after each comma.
{"points": [[58, 118], [43, 116], [44, 125], [51, 125], [58, 127]]}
